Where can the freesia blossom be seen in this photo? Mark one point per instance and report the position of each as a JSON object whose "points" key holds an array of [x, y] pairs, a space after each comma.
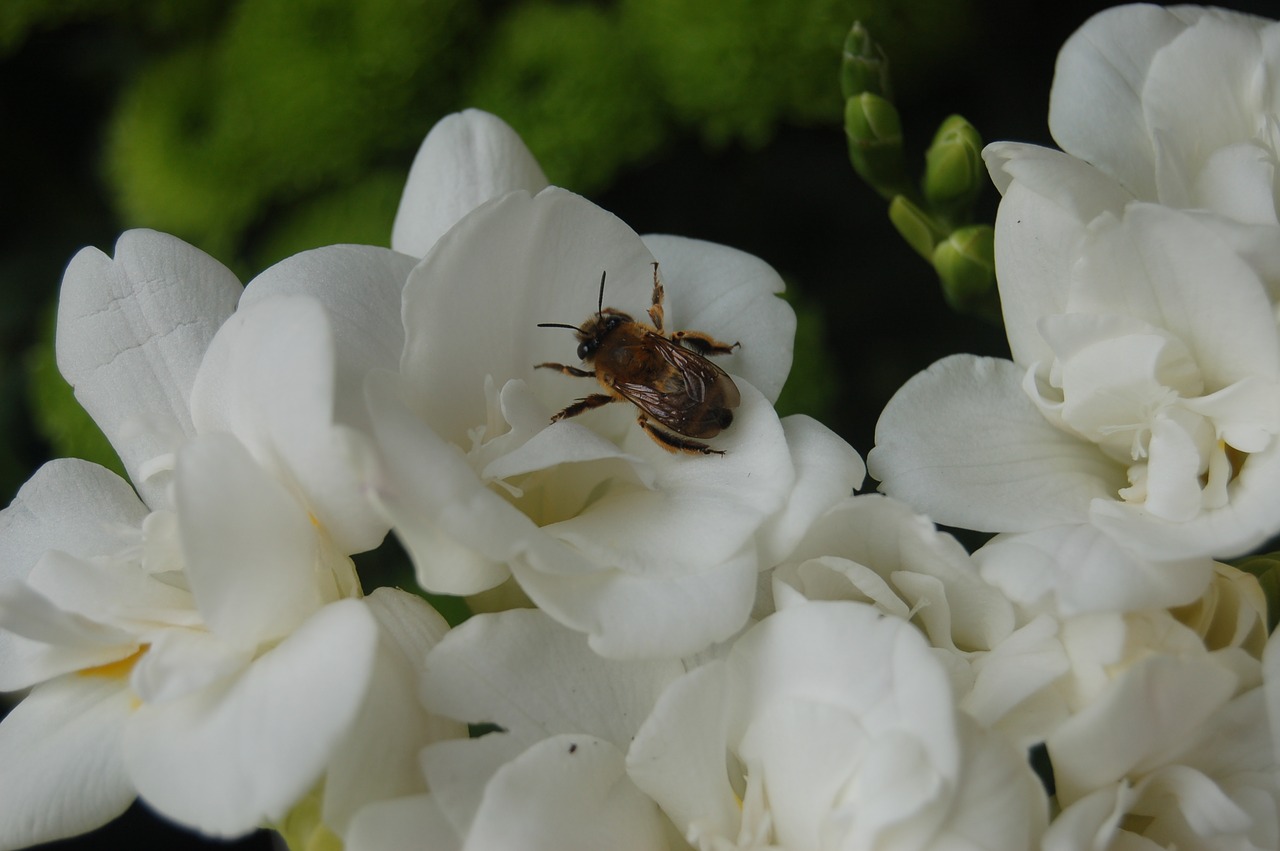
{"points": [[1176, 104], [553, 775], [206, 646], [828, 725], [649, 552], [1142, 401], [876, 550], [1172, 105], [1175, 750]]}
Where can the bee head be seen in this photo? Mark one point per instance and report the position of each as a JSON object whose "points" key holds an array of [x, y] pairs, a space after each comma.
{"points": [[593, 332]]}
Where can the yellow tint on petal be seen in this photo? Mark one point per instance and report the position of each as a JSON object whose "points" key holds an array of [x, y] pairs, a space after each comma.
{"points": [[117, 669]]}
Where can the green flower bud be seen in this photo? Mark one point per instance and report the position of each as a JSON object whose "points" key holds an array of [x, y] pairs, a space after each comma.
{"points": [[864, 66], [954, 174], [1267, 568], [915, 226], [966, 265], [874, 131]]}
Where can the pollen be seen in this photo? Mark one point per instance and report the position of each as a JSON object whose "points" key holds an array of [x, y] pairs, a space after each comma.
{"points": [[117, 669]]}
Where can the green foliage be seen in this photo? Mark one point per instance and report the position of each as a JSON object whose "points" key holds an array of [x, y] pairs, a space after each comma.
{"points": [[573, 82], [735, 69], [288, 99], [361, 212]]}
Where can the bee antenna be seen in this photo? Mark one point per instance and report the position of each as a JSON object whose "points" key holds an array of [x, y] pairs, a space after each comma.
{"points": [[559, 325], [600, 300]]}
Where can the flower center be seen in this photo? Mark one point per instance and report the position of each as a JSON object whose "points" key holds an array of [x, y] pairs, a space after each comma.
{"points": [[1137, 393]]}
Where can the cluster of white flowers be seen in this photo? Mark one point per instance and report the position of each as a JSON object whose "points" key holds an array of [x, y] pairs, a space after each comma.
{"points": [[716, 651]]}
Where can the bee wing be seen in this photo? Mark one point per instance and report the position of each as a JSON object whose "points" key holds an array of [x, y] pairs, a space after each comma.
{"points": [[672, 409], [702, 378], [679, 398]]}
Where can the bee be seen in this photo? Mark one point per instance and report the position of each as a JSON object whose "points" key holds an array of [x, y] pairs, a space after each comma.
{"points": [[681, 395]]}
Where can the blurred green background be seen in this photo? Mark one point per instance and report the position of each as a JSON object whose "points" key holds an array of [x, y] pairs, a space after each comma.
{"points": [[258, 129]]}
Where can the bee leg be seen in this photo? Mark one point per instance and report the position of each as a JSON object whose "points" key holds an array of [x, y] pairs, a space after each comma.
{"points": [[595, 400], [567, 370], [703, 344], [655, 308], [675, 443]]}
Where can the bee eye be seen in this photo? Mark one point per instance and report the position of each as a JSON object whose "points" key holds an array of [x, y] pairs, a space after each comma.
{"points": [[586, 349]]}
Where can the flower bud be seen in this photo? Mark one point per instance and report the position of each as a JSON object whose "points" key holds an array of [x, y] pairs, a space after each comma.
{"points": [[864, 67], [915, 226], [965, 262], [874, 132], [954, 173]]}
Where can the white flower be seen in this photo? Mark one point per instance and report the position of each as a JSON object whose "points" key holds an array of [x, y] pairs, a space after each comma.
{"points": [[1172, 105], [874, 549], [1178, 750], [205, 647], [652, 553], [1178, 105], [553, 776], [1143, 399], [830, 726]]}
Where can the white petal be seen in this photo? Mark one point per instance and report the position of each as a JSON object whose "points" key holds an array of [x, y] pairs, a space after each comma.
{"points": [[457, 772], [467, 159], [651, 615], [919, 571], [828, 470], [41, 641], [1088, 571], [1016, 669], [1154, 265], [70, 505], [1198, 97], [1092, 822], [713, 286], [963, 444], [1000, 804], [378, 758], [893, 683], [118, 592], [567, 792], [678, 756], [534, 678], [691, 497], [179, 662], [1237, 181], [268, 378], [251, 552], [1098, 83], [225, 759], [1248, 520], [360, 287], [1142, 719], [131, 332], [61, 772], [1039, 226], [401, 823], [438, 506], [472, 307]]}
